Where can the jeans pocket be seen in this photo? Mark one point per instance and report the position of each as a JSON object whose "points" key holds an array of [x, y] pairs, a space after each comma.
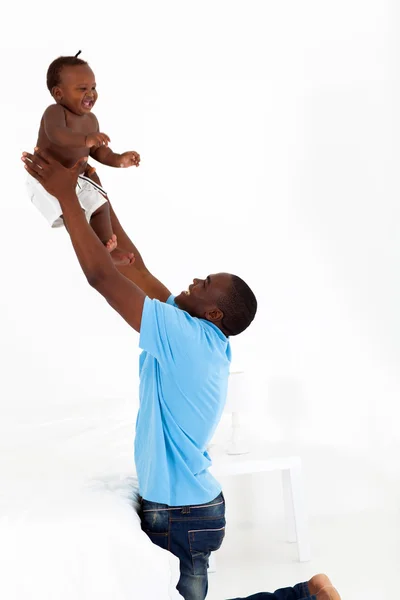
{"points": [[204, 541]]}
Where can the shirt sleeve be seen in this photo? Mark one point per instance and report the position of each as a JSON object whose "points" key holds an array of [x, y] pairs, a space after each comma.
{"points": [[168, 333]]}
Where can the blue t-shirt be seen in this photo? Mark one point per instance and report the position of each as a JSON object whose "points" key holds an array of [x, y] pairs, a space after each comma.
{"points": [[184, 370]]}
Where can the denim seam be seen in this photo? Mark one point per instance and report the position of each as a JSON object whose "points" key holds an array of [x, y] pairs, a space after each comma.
{"points": [[197, 530], [191, 518], [169, 534], [305, 590], [191, 552], [181, 507]]}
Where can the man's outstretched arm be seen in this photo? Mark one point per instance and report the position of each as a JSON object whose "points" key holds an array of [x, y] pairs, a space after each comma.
{"points": [[137, 272], [121, 293]]}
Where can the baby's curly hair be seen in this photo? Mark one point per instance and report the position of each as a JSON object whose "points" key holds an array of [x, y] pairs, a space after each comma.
{"points": [[54, 70]]}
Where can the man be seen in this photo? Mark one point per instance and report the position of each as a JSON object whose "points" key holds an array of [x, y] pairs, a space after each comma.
{"points": [[184, 369]]}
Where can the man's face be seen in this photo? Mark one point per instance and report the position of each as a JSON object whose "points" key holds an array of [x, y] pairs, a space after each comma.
{"points": [[203, 295], [77, 89]]}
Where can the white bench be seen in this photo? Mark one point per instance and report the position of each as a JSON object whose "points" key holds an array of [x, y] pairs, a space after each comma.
{"points": [[293, 492]]}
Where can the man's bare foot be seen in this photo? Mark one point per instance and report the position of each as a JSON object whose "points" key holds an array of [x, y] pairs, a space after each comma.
{"points": [[318, 582], [112, 243], [322, 587], [328, 593], [120, 258]]}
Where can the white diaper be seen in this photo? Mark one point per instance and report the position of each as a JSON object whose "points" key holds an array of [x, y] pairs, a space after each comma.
{"points": [[90, 195]]}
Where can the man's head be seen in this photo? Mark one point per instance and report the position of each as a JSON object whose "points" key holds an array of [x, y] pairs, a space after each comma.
{"points": [[72, 84], [223, 299]]}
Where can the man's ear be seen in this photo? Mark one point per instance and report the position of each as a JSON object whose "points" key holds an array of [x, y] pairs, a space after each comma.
{"points": [[214, 315]]}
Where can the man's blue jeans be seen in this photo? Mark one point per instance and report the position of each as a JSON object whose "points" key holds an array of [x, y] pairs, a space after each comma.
{"points": [[189, 532], [192, 533], [298, 592]]}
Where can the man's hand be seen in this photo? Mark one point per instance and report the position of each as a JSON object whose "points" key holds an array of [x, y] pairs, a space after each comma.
{"points": [[96, 140], [54, 177], [129, 159]]}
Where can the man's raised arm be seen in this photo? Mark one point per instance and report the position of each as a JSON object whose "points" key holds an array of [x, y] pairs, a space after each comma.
{"points": [[126, 297], [137, 272]]}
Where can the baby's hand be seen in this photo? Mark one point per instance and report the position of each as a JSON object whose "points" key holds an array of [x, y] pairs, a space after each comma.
{"points": [[129, 159], [97, 140]]}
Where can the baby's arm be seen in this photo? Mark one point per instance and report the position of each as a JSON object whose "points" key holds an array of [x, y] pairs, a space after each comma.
{"points": [[106, 156]]}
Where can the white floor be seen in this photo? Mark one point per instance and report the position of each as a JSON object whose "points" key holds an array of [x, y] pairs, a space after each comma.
{"points": [[353, 500], [354, 518]]}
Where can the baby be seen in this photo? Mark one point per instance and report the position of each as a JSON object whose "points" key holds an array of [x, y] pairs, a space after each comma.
{"points": [[70, 131]]}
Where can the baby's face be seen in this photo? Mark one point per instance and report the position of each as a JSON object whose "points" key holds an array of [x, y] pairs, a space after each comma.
{"points": [[77, 89]]}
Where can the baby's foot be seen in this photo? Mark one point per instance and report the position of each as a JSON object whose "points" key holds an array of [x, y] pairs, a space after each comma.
{"points": [[119, 257], [112, 243]]}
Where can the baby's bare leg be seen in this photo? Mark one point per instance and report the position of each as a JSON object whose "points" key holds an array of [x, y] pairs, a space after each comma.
{"points": [[101, 225]]}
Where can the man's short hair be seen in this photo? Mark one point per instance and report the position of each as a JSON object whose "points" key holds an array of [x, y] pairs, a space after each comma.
{"points": [[239, 307], [54, 70]]}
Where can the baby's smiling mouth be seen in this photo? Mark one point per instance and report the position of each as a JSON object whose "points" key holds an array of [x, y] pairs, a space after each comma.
{"points": [[87, 103]]}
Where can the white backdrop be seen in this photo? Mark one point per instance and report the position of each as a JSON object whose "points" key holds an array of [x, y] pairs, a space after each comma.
{"points": [[268, 137]]}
